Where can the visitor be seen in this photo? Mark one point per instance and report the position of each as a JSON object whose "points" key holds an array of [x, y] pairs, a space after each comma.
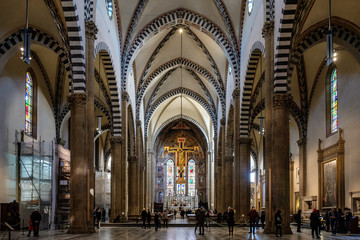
{"points": [[348, 218], [333, 221], [143, 217], [103, 214], [297, 219], [98, 217], [219, 217], [341, 217], [30, 227], [109, 214], [182, 214], [327, 221], [200, 219], [278, 222], [225, 216], [165, 218], [35, 221], [117, 219], [148, 218], [231, 221], [157, 220], [314, 223], [252, 216], [262, 218], [175, 214], [319, 223]]}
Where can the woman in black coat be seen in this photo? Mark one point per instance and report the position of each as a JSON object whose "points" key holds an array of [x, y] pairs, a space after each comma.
{"points": [[231, 221], [278, 222], [314, 223]]}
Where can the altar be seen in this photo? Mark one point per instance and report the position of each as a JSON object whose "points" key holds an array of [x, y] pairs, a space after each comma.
{"points": [[187, 202]]}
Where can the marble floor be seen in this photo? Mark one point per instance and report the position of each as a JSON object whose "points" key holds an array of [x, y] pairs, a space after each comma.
{"points": [[173, 233]]}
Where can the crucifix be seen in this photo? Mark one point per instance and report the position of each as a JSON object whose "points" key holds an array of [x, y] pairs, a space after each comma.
{"points": [[181, 157]]}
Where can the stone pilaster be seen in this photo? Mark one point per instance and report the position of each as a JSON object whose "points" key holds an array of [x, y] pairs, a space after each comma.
{"points": [[116, 181], [280, 182], [302, 167], [223, 168], [80, 181], [236, 164], [268, 34], [133, 180], [124, 155], [90, 33], [228, 186], [139, 166], [243, 180]]}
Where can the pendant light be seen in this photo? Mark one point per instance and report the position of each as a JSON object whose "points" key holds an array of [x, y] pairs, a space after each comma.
{"points": [[99, 116], [261, 118], [25, 51]]}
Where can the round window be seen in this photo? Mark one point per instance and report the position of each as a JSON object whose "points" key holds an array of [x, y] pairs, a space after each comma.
{"points": [[250, 6], [109, 7]]}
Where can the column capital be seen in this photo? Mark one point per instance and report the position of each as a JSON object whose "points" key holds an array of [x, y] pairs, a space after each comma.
{"points": [[236, 93], [268, 29], [245, 140], [124, 96], [77, 99], [90, 29], [281, 100], [116, 140], [222, 121], [229, 158], [133, 158], [301, 142], [138, 123]]}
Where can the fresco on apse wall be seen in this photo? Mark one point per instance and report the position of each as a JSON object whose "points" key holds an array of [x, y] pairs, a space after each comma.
{"points": [[160, 170], [202, 169], [329, 184], [201, 181], [160, 183]]}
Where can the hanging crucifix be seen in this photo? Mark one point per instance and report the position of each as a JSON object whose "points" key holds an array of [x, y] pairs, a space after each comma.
{"points": [[181, 158]]}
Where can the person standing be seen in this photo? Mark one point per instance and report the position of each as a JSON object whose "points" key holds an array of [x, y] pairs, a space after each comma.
{"points": [[98, 217], [348, 218], [35, 221], [200, 218], [175, 214], [333, 220], [157, 220], [298, 220], [319, 222], [314, 223], [327, 221], [182, 213], [278, 222], [341, 218], [231, 221], [148, 218], [262, 217], [30, 227], [252, 216], [103, 214], [165, 218], [143, 217]]}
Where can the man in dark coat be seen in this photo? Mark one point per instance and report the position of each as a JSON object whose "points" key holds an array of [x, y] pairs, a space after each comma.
{"points": [[200, 219], [333, 220], [314, 223], [148, 218], [297, 218], [252, 215], [143, 217], [35, 221]]}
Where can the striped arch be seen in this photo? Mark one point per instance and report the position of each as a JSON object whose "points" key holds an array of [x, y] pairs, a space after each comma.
{"points": [[89, 10], [102, 49], [269, 10], [43, 39], [175, 63], [172, 19], [283, 46], [340, 31], [76, 46], [98, 104], [195, 96], [256, 53], [174, 118]]}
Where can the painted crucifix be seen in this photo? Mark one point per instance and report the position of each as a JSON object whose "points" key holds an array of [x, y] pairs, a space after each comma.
{"points": [[181, 157]]}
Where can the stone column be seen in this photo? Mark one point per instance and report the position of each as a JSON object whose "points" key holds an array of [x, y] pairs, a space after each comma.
{"points": [[139, 167], [280, 182], [302, 166], [228, 186], [236, 168], [243, 178], [292, 205], [90, 33], [116, 184], [133, 179], [124, 157], [80, 182], [223, 169], [268, 34]]}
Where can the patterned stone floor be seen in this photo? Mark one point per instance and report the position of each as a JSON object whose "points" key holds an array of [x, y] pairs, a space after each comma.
{"points": [[173, 233]]}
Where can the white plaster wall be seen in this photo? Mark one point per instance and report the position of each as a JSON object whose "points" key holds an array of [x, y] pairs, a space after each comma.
{"points": [[348, 116], [12, 108]]}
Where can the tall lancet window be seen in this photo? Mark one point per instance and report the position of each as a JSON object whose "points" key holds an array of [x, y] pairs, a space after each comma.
{"points": [[191, 174], [29, 104], [170, 177], [333, 101]]}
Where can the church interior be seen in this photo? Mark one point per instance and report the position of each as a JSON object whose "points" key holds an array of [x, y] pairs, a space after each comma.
{"points": [[168, 104]]}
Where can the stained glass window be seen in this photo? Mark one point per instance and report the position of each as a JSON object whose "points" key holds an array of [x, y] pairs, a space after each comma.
{"points": [[109, 8], [250, 6], [191, 183], [170, 177], [334, 101], [28, 104], [180, 189]]}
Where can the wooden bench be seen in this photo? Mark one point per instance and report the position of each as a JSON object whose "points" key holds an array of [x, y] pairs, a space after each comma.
{"points": [[136, 218]]}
